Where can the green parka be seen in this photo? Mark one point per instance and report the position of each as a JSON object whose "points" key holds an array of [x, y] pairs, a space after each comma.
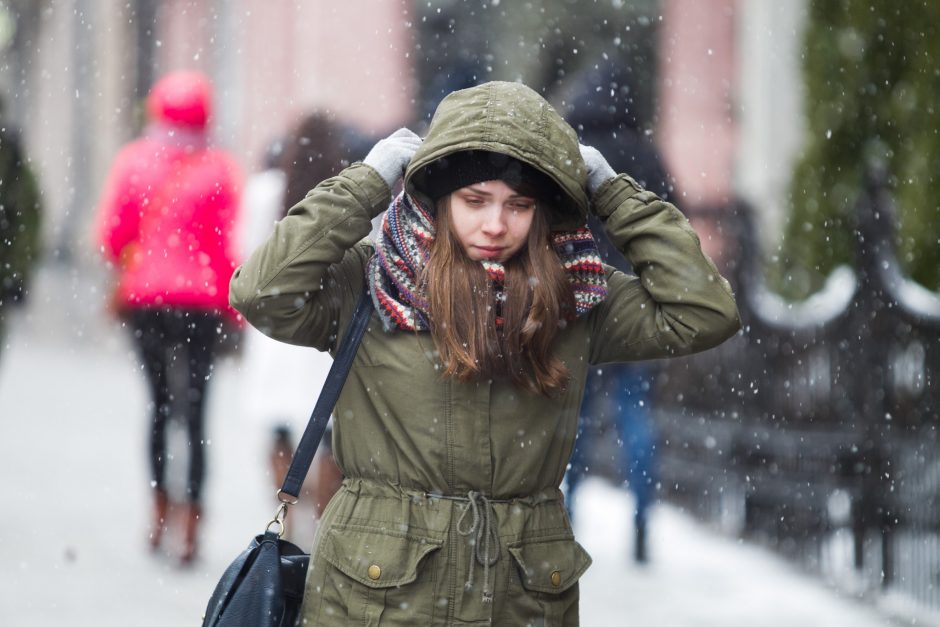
{"points": [[453, 488]]}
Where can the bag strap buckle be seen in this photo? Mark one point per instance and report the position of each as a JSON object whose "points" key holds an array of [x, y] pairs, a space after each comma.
{"points": [[280, 514]]}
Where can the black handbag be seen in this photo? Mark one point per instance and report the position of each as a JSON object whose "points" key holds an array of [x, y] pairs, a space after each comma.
{"points": [[264, 586]]}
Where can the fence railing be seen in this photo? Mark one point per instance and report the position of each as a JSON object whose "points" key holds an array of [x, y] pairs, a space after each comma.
{"points": [[817, 429]]}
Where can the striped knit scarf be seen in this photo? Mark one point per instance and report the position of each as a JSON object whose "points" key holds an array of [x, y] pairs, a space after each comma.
{"points": [[403, 249]]}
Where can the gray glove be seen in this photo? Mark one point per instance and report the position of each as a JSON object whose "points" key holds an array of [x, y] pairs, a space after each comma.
{"points": [[598, 168], [390, 156]]}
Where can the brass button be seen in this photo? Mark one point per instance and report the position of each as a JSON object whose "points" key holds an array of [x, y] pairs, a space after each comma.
{"points": [[556, 578], [375, 572]]}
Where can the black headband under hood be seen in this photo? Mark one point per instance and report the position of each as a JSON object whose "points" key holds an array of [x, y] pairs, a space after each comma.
{"points": [[467, 167]]}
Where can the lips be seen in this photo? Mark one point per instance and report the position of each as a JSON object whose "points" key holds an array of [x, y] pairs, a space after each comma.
{"points": [[490, 251]]}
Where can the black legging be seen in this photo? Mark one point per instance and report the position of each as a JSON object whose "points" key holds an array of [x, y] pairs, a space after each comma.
{"points": [[178, 348]]}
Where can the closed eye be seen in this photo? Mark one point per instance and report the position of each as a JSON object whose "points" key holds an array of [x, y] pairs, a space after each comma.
{"points": [[523, 205], [473, 200]]}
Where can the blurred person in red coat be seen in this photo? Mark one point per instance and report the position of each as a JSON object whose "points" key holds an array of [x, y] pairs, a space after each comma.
{"points": [[166, 221]]}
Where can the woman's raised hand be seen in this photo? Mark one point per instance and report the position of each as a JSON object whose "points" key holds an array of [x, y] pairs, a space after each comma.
{"points": [[598, 168], [390, 156]]}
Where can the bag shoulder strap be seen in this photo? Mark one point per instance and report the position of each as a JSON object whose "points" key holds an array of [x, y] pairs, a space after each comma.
{"points": [[335, 380]]}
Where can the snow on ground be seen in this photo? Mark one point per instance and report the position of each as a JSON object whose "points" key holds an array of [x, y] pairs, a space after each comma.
{"points": [[73, 498], [695, 578]]}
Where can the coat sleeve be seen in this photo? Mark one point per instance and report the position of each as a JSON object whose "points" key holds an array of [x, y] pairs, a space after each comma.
{"points": [[303, 282], [215, 222], [679, 304], [119, 209]]}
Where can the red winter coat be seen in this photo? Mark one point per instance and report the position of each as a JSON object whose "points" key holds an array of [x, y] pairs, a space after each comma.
{"points": [[167, 220]]}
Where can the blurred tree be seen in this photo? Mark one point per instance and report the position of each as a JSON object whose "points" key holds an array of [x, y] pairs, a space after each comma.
{"points": [[872, 87]]}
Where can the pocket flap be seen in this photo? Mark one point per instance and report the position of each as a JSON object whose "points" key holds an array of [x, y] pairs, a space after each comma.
{"points": [[550, 566], [377, 558]]}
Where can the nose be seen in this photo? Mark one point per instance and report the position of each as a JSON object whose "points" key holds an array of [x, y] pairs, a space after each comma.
{"points": [[494, 224]]}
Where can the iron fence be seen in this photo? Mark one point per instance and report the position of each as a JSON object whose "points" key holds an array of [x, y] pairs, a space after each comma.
{"points": [[815, 430]]}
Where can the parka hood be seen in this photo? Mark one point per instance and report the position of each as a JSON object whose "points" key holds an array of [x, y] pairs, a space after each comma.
{"points": [[511, 119]]}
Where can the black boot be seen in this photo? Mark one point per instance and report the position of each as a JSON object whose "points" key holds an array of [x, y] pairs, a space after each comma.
{"points": [[640, 555]]}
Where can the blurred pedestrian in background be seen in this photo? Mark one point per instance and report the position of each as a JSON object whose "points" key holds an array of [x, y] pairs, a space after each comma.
{"points": [[20, 216], [282, 381], [617, 396], [166, 221]]}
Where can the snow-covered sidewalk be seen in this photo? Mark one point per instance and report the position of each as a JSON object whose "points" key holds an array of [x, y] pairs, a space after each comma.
{"points": [[73, 501], [695, 578]]}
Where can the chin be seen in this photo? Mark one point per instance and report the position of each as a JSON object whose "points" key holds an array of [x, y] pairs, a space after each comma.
{"points": [[475, 255]]}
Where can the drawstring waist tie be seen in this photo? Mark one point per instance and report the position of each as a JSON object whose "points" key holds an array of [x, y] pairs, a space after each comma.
{"points": [[477, 521], [483, 536]]}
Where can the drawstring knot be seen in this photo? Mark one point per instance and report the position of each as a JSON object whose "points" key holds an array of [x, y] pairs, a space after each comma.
{"points": [[484, 539]]}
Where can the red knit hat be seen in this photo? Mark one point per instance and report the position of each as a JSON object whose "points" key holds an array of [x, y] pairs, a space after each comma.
{"points": [[181, 99]]}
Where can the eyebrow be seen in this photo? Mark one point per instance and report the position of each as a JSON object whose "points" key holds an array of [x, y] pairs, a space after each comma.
{"points": [[482, 192], [478, 190]]}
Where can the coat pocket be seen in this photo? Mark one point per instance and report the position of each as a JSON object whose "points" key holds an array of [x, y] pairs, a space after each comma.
{"points": [[549, 566], [376, 558]]}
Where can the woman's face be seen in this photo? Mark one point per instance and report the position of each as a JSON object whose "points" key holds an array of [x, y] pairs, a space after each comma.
{"points": [[491, 220]]}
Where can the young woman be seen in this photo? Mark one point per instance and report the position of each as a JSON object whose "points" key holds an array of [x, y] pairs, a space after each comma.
{"points": [[459, 415]]}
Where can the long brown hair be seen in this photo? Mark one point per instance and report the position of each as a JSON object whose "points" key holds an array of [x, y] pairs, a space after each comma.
{"points": [[462, 307]]}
